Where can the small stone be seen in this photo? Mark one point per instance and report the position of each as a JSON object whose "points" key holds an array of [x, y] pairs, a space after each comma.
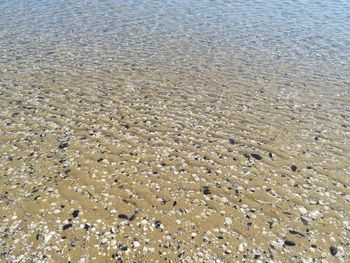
{"points": [[224, 199], [123, 248], [63, 145], [302, 210], [48, 237], [157, 224], [289, 243], [75, 213], [123, 216], [294, 168], [240, 247], [178, 222], [256, 156], [104, 241], [206, 190], [136, 244], [67, 226], [232, 141], [333, 250], [228, 221], [304, 220], [293, 232]]}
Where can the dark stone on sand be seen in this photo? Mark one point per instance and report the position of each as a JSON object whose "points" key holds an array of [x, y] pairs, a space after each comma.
{"points": [[256, 156], [294, 168], [206, 191], [67, 226], [174, 203], [157, 224], [270, 224], [305, 222], [86, 227], [270, 155], [63, 145], [100, 160], [232, 141], [333, 250], [293, 232], [75, 213], [132, 218], [123, 248], [289, 243], [123, 216]]}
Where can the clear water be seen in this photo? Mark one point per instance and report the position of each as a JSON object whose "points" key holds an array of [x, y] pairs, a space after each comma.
{"points": [[291, 41]]}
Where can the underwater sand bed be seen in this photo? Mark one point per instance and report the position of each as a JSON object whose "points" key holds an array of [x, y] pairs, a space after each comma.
{"points": [[135, 170]]}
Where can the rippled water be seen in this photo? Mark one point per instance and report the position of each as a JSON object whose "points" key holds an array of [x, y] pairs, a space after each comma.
{"points": [[191, 131], [306, 41]]}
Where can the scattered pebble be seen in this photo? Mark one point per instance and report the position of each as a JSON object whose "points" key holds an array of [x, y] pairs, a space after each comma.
{"points": [[333, 250], [289, 243]]}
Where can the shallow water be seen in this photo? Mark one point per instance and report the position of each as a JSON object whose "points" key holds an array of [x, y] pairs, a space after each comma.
{"points": [[135, 108]]}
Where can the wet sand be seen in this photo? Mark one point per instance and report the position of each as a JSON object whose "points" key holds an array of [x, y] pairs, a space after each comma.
{"points": [[123, 169]]}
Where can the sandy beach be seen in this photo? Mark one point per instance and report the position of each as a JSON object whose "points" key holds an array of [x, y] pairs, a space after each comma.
{"points": [[175, 156], [139, 172]]}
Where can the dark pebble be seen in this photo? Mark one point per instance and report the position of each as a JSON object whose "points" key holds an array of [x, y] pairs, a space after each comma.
{"points": [[63, 145], [123, 248], [289, 243], [174, 203], [256, 156], [67, 226], [157, 224], [293, 232], [333, 250], [246, 155], [132, 218], [305, 222], [270, 155], [206, 191], [294, 168], [86, 227], [75, 213], [232, 141], [100, 160], [123, 216]]}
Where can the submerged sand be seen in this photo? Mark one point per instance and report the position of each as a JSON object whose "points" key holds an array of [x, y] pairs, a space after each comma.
{"points": [[121, 169]]}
